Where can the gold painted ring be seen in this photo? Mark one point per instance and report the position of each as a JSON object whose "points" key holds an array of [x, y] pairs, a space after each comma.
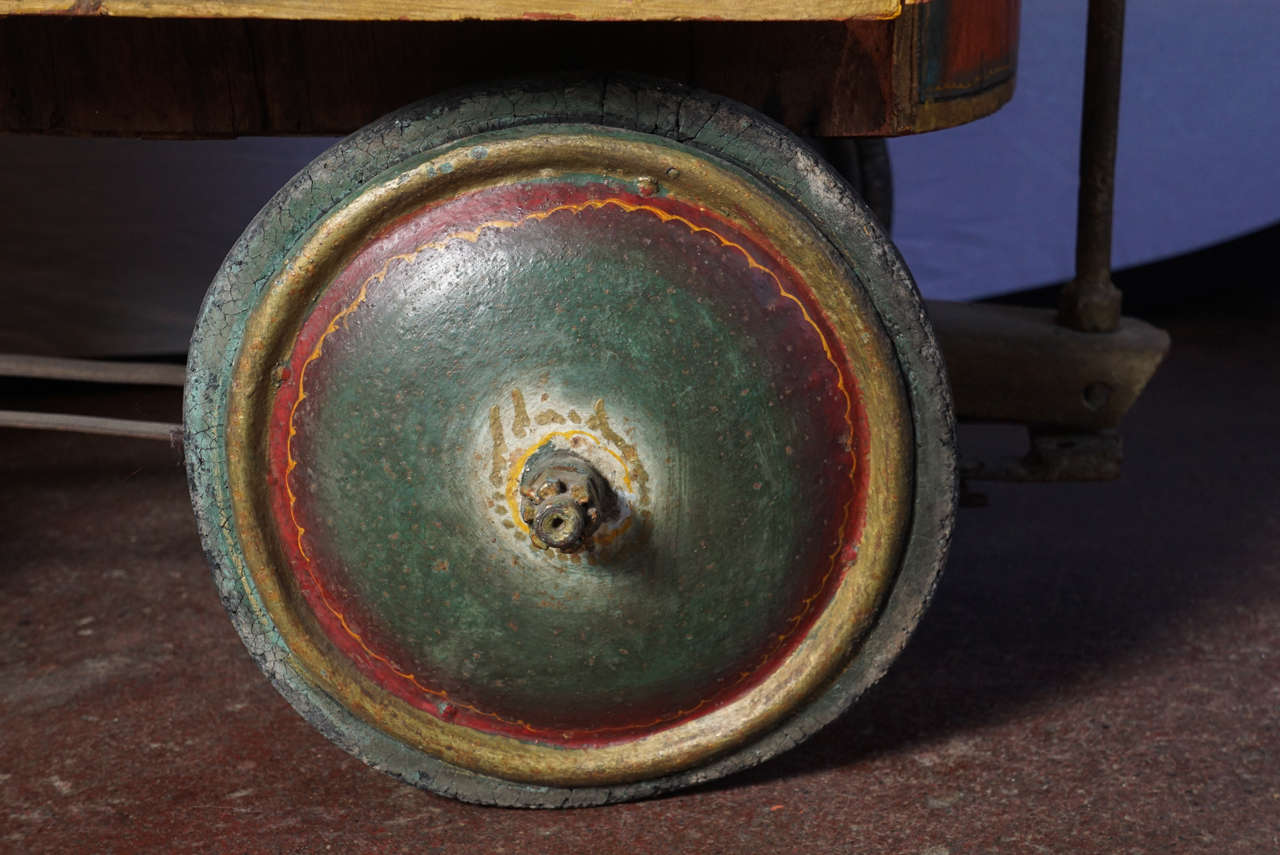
{"points": [[244, 376]]}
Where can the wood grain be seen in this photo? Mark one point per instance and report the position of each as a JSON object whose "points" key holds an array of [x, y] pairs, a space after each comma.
{"points": [[217, 78], [457, 10]]}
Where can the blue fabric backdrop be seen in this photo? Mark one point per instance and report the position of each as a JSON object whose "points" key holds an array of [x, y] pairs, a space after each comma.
{"points": [[989, 207], [982, 209]]}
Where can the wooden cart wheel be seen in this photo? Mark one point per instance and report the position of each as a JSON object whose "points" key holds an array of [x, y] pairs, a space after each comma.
{"points": [[566, 443]]}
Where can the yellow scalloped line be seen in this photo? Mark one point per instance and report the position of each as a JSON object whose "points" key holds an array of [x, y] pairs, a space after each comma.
{"points": [[513, 478], [472, 236]]}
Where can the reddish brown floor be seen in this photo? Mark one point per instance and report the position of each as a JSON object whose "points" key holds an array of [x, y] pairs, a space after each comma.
{"points": [[1098, 672]]}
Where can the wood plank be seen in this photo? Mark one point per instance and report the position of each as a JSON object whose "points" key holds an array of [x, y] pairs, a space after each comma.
{"points": [[227, 77], [457, 10], [1015, 364], [185, 78]]}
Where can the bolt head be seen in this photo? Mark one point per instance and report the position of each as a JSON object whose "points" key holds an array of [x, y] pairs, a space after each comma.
{"points": [[560, 523], [549, 488]]}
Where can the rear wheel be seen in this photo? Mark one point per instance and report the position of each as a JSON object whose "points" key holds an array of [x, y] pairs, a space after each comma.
{"points": [[569, 443]]}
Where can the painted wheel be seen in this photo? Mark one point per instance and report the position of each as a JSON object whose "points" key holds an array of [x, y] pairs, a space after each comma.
{"points": [[864, 163], [567, 443]]}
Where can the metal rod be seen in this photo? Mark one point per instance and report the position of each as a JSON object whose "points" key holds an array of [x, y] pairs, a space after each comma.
{"points": [[1091, 302], [171, 433], [91, 370]]}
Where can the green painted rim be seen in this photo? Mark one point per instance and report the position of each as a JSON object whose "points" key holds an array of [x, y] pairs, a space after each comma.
{"points": [[704, 123]]}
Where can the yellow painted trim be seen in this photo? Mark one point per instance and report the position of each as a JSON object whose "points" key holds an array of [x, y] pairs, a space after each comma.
{"points": [[472, 236], [456, 10], [694, 179]]}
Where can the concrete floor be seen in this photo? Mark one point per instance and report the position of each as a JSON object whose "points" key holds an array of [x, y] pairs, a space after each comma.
{"points": [[1098, 671]]}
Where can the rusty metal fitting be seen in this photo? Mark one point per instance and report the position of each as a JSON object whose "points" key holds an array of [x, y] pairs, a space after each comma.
{"points": [[1090, 305], [563, 498], [1091, 302]]}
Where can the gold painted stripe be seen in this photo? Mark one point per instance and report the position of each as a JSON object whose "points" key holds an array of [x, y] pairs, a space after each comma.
{"points": [[472, 236], [457, 10]]}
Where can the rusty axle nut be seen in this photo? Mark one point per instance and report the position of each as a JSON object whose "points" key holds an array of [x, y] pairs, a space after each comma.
{"points": [[560, 523], [563, 500]]}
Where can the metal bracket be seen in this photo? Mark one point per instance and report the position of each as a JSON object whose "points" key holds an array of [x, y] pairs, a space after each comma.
{"points": [[1056, 456]]}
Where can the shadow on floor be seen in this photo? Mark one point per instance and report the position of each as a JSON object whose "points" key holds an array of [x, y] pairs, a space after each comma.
{"points": [[1052, 585]]}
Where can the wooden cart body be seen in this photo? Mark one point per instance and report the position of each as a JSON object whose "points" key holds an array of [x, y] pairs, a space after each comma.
{"points": [[838, 324], [217, 69]]}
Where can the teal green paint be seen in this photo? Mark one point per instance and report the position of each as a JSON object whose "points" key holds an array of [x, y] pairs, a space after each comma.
{"points": [[624, 108], [937, 18], [660, 325]]}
